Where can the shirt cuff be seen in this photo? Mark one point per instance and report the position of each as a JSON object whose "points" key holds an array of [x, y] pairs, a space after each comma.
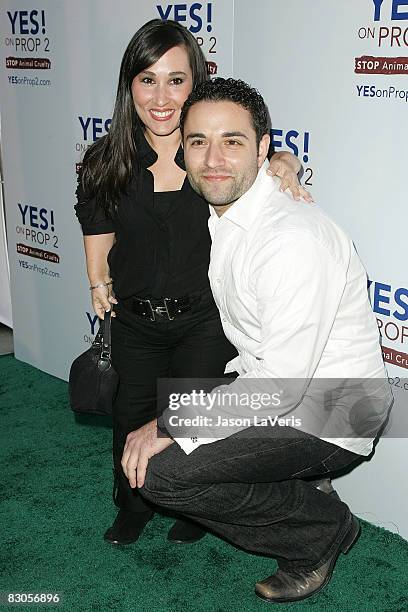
{"points": [[162, 427], [188, 445]]}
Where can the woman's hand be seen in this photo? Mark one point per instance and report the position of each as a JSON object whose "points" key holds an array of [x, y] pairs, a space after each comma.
{"points": [[286, 166], [102, 300]]}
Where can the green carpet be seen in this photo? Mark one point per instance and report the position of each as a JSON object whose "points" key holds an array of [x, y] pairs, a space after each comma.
{"points": [[56, 504]]}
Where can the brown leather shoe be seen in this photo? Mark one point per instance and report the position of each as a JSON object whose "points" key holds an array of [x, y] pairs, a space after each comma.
{"points": [[297, 584]]}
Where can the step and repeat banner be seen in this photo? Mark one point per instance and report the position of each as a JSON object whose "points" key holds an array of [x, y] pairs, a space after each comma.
{"points": [[5, 298], [334, 75], [59, 73]]}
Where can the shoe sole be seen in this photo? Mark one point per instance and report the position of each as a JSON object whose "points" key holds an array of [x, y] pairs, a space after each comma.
{"points": [[174, 541], [117, 543], [121, 542], [350, 538]]}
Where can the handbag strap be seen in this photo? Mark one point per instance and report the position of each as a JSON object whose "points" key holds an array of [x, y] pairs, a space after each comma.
{"points": [[106, 337]]}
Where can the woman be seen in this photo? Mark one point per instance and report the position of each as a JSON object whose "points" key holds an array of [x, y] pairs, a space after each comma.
{"points": [[145, 228]]}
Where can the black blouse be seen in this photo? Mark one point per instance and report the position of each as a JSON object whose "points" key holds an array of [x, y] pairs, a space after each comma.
{"points": [[160, 251]]}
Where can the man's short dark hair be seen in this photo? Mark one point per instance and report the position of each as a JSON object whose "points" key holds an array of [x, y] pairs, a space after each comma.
{"points": [[231, 90]]}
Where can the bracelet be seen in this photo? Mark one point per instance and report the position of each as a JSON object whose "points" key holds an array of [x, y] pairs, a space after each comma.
{"points": [[100, 285]]}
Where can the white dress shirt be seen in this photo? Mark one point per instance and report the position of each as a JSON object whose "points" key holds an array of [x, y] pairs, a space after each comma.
{"points": [[292, 295]]}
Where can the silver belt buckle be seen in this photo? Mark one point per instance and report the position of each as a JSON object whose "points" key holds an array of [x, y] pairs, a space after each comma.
{"points": [[166, 308], [160, 310], [152, 310]]}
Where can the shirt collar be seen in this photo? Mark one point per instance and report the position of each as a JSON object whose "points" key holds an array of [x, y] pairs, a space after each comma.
{"points": [[247, 208], [147, 156]]}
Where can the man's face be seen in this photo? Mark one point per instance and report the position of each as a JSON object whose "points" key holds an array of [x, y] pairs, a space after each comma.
{"points": [[220, 151]]}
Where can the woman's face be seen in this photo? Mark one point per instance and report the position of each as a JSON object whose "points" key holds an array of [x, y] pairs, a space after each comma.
{"points": [[160, 91]]}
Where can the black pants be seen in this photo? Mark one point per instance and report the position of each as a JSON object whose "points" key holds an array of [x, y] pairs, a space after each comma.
{"points": [[250, 489], [191, 346]]}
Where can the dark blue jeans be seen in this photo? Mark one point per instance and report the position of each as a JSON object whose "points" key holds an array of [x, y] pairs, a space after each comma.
{"points": [[249, 489]]}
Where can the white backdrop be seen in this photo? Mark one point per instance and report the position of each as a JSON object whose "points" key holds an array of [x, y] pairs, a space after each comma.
{"points": [[355, 164], [50, 115], [5, 296], [60, 63]]}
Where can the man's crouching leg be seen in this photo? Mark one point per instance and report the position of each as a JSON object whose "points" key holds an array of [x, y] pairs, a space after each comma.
{"points": [[289, 520], [165, 485]]}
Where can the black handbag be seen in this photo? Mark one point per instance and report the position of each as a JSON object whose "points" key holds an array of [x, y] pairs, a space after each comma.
{"points": [[93, 382]]}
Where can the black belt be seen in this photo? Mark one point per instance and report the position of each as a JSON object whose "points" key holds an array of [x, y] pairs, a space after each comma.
{"points": [[165, 308]]}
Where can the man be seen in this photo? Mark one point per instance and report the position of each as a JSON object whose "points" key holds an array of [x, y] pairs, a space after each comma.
{"points": [[293, 300]]}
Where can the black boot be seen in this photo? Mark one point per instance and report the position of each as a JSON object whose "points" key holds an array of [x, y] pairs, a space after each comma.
{"points": [[185, 532], [127, 527]]}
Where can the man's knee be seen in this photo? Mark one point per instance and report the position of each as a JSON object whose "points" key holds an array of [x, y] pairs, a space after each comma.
{"points": [[159, 481]]}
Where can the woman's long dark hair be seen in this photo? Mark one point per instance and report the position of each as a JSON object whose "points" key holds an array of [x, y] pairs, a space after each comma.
{"points": [[108, 163]]}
